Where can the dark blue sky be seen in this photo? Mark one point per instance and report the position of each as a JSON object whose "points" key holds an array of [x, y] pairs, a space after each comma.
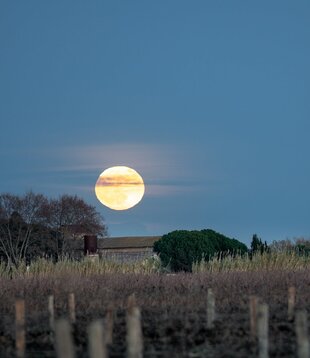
{"points": [[208, 100]]}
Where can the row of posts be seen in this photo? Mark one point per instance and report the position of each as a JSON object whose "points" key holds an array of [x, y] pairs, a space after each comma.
{"points": [[259, 318], [100, 331]]}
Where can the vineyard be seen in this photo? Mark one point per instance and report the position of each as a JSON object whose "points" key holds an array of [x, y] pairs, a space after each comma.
{"points": [[217, 314]]}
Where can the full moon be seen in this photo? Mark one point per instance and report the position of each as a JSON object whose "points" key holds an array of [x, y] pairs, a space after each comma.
{"points": [[119, 188]]}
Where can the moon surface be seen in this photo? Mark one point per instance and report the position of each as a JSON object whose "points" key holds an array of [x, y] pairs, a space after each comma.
{"points": [[119, 188]]}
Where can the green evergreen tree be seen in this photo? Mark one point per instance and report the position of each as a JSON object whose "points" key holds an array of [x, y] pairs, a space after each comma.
{"points": [[180, 249], [257, 246]]}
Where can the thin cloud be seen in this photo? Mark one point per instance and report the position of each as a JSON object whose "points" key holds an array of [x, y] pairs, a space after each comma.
{"points": [[163, 167], [100, 157], [171, 190], [160, 164]]}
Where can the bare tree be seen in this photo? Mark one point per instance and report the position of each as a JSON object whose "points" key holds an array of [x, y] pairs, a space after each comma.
{"points": [[18, 217], [29, 222], [71, 217]]}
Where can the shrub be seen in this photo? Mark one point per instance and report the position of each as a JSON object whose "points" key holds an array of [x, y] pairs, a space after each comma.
{"points": [[300, 246], [180, 249]]}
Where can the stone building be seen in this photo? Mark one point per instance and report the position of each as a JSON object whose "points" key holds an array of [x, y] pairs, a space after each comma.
{"points": [[127, 249]]}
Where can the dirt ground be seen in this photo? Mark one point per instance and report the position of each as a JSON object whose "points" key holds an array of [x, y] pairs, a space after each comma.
{"points": [[173, 311]]}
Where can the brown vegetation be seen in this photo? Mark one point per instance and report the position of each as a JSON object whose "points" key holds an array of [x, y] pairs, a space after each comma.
{"points": [[173, 309]]}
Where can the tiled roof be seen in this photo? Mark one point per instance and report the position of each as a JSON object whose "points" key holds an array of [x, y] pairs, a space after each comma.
{"points": [[127, 242]]}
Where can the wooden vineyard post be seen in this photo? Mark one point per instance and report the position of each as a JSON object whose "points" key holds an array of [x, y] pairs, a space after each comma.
{"points": [[262, 330], [63, 339], [20, 328], [134, 336], [253, 315], [210, 309], [51, 312], [96, 342], [108, 325], [291, 303], [301, 327], [71, 305]]}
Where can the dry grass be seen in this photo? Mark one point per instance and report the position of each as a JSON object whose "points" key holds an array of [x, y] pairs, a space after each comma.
{"points": [[85, 267], [282, 260], [286, 260]]}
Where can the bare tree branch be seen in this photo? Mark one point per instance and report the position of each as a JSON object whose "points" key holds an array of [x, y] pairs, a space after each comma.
{"points": [[26, 221]]}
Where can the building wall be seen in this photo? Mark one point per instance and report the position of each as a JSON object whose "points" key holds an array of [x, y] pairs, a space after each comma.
{"points": [[126, 255]]}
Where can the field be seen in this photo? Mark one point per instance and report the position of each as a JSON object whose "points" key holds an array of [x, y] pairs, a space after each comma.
{"points": [[173, 308]]}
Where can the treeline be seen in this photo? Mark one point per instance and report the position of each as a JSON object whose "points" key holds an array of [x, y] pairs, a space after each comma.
{"points": [[32, 225], [299, 246], [182, 250]]}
